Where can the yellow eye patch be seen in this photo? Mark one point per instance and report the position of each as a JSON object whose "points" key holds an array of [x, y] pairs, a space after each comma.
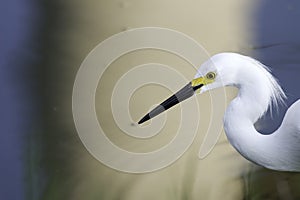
{"points": [[198, 81], [208, 78]]}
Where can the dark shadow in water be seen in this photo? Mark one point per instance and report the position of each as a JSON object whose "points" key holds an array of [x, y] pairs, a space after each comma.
{"points": [[277, 45], [19, 22], [263, 184]]}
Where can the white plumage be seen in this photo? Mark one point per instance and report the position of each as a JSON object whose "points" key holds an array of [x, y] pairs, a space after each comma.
{"points": [[258, 90]]}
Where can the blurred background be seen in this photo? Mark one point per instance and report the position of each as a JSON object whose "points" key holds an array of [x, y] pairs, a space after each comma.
{"points": [[42, 45]]}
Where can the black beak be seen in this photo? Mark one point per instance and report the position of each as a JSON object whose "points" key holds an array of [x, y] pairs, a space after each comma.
{"points": [[180, 96]]}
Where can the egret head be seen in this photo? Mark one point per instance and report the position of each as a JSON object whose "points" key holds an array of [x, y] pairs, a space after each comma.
{"points": [[227, 69]]}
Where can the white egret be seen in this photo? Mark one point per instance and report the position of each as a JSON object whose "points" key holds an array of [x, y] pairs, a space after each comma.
{"points": [[258, 90]]}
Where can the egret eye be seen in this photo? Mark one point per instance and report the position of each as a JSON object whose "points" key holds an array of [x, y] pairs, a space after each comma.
{"points": [[211, 75]]}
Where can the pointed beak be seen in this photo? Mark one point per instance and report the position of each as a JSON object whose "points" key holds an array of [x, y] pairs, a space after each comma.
{"points": [[185, 93]]}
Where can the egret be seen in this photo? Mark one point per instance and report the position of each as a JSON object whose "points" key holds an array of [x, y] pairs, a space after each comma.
{"points": [[258, 91]]}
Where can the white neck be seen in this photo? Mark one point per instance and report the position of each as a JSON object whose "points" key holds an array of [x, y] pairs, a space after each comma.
{"points": [[239, 118]]}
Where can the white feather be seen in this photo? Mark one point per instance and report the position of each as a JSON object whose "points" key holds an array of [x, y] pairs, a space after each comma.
{"points": [[258, 91]]}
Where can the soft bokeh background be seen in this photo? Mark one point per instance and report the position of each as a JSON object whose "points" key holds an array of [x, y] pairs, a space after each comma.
{"points": [[42, 45]]}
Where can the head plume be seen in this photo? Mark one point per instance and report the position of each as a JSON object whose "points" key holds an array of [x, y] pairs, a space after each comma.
{"points": [[277, 95]]}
